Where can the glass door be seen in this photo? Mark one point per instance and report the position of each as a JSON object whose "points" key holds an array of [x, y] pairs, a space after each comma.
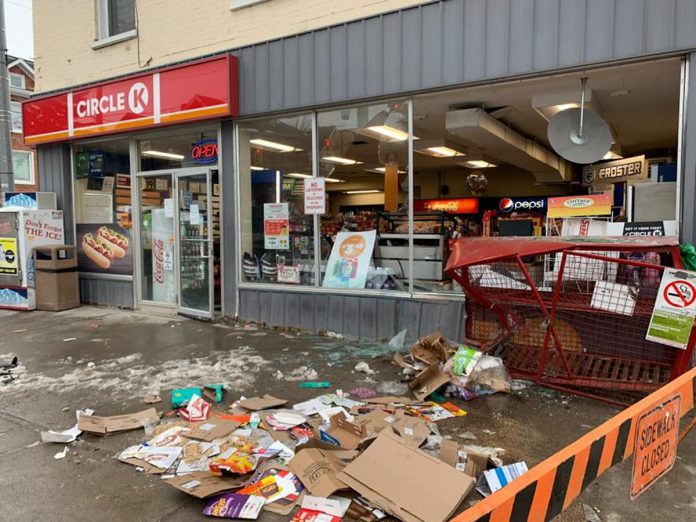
{"points": [[157, 239], [195, 238]]}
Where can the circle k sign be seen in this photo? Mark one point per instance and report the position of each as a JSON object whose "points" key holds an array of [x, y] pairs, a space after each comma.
{"points": [[138, 97]]}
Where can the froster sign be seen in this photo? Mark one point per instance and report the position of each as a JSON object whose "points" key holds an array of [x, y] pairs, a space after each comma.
{"points": [[194, 91]]}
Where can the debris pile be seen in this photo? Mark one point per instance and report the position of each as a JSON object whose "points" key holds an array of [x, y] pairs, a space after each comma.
{"points": [[336, 455]]}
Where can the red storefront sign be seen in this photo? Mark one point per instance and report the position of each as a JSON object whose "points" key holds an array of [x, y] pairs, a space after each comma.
{"points": [[194, 91], [454, 206]]}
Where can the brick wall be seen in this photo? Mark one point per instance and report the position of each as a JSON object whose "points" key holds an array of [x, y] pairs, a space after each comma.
{"points": [[17, 139], [173, 30]]}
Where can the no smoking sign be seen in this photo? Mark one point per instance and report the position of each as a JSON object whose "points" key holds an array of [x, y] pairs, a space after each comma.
{"points": [[679, 293]]}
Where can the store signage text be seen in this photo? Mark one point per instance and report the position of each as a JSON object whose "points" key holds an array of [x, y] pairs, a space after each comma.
{"points": [[615, 171], [158, 253], [193, 91], [455, 206], [521, 204], [205, 151], [590, 205]]}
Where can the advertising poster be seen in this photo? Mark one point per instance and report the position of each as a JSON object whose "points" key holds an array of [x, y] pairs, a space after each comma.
{"points": [[349, 260], [590, 205], [9, 265], [315, 196], [675, 309], [163, 284], [276, 226], [104, 249]]}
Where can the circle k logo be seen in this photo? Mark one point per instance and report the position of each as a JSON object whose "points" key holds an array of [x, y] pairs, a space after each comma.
{"points": [[138, 97]]}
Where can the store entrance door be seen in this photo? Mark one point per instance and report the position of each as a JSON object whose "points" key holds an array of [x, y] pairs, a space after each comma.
{"points": [[195, 267], [178, 257]]}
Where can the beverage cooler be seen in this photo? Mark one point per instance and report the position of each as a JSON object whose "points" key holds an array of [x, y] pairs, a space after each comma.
{"points": [[20, 231]]}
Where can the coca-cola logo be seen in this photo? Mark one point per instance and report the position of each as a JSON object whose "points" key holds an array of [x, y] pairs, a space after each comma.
{"points": [[158, 253]]}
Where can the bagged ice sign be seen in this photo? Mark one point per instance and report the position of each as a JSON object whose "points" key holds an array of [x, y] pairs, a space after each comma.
{"points": [[14, 298], [22, 200]]}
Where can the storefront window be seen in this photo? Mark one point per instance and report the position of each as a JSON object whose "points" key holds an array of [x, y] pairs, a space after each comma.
{"points": [[363, 158], [103, 215], [277, 234], [166, 150]]}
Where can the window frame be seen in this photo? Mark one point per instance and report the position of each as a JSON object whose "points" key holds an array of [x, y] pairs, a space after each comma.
{"points": [[32, 173], [102, 18], [22, 81], [13, 129]]}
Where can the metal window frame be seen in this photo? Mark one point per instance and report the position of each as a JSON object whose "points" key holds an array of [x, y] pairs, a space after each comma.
{"points": [[104, 37], [32, 170]]}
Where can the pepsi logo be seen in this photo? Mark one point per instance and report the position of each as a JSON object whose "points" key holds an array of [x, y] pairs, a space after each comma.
{"points": [[506, 205]]}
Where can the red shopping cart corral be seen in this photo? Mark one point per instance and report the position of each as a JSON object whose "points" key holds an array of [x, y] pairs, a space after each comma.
{"points": [[570, 313]]}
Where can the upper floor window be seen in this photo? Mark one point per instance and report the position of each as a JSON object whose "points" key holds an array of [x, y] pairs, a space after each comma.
{"points": [[17, 81], [116, 20], [16, 116]]}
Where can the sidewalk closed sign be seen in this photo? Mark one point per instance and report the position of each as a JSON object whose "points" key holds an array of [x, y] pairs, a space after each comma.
{"points": [[657, 435], [675, 308]]}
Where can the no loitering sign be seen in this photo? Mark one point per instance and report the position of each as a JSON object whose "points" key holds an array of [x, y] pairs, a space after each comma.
{"points": [[657, 436]]}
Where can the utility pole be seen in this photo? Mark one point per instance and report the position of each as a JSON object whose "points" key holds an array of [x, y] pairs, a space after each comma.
{"points": [[6, 177]]}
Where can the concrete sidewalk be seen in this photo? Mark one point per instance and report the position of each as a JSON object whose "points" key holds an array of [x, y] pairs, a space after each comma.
{"points": [[109, 359]]}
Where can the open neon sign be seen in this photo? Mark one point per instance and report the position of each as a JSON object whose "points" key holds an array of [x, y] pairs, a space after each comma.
{"points": [[204, 151]]}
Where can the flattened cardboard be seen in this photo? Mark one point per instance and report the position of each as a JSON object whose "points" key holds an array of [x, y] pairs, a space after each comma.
{"points": [[213, 428], [202, 484], [336, 451], [449, 453], [128, 421], [391, 399], [410, 484], [317, 470], [413, 430], [262, 403], [428, 381]]}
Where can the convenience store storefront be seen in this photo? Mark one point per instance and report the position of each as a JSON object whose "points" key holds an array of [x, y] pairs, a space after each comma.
{"points": [[415, 140]]}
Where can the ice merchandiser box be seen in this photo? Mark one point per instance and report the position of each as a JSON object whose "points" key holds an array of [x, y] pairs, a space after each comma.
{"points": [[21, 230]]}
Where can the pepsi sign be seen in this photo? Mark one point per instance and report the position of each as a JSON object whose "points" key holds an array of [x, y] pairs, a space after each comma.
{"points": [[508, 205]]}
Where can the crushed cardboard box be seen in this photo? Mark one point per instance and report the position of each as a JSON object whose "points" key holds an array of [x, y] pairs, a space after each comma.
{"points": [[428, 381], [202, 484], [318, 471], [128, 421], [405, 481], [213, 428], [262, 403]]}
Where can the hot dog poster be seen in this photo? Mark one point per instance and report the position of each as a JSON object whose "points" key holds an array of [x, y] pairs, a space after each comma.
{"points": [[104, 249]]}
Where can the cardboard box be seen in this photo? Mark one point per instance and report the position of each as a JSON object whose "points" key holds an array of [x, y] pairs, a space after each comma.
{"points": [[410, 484], [318, 471], [343, 433], [262, 403], [129, 421], [213, 428], [202, 484], [428, 381]]}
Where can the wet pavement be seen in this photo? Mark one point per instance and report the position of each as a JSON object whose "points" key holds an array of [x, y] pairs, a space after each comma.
{"points": [[109, 360]]}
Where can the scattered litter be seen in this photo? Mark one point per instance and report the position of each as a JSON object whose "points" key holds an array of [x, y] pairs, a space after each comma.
{"points": [[234, 505], [65, 436], [315, 384], [152, 399], [363, 367], [61, 454], [491, 453], [392, 388], [214, 392], [182, 396], [262, 403], [362, 392], [467, 435], [495, 479], [196, 410], [303, 373], [398, 340], [67, 339]]}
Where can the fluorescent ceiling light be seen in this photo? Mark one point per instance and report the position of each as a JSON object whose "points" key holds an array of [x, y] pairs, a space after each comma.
{"points": [[256, 168], [382, 170], [389, 132], [272, 146], [298, 175], [439, 148], [616, 152], [341, 161], [548, 105], [334, 180], [375, 191], [163, 155], [478, 164]]}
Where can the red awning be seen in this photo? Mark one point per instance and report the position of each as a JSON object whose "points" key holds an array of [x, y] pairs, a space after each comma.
{"points": [[476, 250]]}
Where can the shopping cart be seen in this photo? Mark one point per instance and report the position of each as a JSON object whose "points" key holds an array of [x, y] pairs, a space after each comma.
{"points": [[571, 313]]}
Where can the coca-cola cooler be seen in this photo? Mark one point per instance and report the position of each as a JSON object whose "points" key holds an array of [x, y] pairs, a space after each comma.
{"points": [[22, 230], [163, 282]]}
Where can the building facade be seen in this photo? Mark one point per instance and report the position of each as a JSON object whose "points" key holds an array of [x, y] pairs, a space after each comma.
{"points": [[309, 165], [24, 163]]}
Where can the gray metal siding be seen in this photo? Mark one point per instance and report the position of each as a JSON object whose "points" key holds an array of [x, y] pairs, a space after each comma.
{"points": [[688, 183], [363, 317], [229, 212], [455, 42], [54, 176], [106, 293]]}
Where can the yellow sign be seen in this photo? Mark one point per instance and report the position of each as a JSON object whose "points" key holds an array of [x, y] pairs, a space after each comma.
{"points": [[9, 264]]}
